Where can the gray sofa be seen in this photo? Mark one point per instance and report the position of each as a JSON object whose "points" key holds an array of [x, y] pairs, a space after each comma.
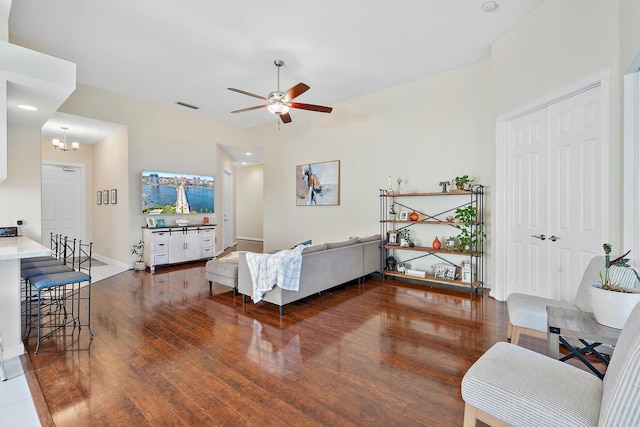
{"points": [[323, 267]]}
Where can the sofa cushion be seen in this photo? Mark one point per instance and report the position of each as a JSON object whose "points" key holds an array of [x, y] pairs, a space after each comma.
{"points": [[342, 244], [306, 242], [314, 248], [372, 238]]}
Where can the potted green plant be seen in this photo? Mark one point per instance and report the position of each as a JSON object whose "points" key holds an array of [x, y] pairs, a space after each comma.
{"points": [[612, 303], [138, 250], [462, 182], [402, 267], [471, 232], [392, 212], [405, 237]]}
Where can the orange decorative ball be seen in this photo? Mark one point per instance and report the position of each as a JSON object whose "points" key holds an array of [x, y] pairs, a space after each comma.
{"points": [[414, 216]]}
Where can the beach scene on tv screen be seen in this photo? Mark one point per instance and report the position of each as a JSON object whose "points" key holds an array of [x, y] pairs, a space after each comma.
{"points": [[166, 193]]}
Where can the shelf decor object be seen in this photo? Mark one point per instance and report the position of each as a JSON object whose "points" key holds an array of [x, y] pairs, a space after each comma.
{"points": [[436, 244], [442, 263]]}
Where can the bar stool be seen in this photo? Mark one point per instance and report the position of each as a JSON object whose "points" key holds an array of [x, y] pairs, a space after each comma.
{"points": [[30, 269], [55, 291]]}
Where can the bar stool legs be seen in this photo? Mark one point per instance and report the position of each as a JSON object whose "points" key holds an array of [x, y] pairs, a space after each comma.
{"points": [[3, 374]]}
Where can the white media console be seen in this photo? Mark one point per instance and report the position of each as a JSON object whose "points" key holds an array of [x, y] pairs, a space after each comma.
{"points": [[174, 244]]}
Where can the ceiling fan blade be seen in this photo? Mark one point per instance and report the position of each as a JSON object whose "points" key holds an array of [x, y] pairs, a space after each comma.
{"points": [[247, 93], [295, 91], [310, 107], [249, 109], [286, 118]]}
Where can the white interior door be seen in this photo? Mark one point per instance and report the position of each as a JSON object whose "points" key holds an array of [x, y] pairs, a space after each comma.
{"points": [[227, 210], [63, 201], [527, 189], [556, 188]]}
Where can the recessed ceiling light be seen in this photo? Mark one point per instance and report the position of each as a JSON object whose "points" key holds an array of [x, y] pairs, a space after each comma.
{"points": [[247, 153], [489, 6], [27, 107], [243, 163]]}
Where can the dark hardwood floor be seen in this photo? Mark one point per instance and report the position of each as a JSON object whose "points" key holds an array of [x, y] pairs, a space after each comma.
{"points": [[166, 352]]}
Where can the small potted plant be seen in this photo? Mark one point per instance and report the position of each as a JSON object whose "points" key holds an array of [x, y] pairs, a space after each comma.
{"points": [[402, 267], [611, 303], [462, 182], [138, 250], [392, 212], [405, 237]]}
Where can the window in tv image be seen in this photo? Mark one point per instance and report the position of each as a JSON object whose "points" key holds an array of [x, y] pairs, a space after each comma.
{"points": [[166, 193]]}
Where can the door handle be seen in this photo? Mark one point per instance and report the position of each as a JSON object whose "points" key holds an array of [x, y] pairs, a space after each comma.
{"points": [[541, 237], [554, 238]]}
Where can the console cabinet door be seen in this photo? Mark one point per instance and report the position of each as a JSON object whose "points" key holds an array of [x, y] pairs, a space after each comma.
{"points": [[192, 245], [176, 246]]}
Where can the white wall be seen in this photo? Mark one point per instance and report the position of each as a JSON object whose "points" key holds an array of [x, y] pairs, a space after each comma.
{"points": [[558, 44], [629, 35], [426, 131], [159, 138], [249, 202], [20, 192], [110, 171]]}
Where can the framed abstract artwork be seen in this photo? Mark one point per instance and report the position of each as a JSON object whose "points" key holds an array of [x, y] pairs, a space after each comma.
{"points": [[318, 184]]}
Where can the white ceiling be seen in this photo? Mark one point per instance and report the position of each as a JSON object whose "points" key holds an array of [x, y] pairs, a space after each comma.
{"points": [[193, 50]]}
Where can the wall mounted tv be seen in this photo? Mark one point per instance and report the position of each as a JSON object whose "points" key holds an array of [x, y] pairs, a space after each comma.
{"points": [[166, 193]]}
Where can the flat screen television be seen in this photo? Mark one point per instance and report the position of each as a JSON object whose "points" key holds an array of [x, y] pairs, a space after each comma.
{"points": [[166, 193]]}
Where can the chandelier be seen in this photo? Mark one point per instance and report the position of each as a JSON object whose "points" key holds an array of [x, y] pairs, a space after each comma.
{"points": [[64, 145]]}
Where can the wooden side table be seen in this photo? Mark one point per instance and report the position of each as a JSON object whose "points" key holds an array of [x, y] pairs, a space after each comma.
{"points": [[580, 325]]}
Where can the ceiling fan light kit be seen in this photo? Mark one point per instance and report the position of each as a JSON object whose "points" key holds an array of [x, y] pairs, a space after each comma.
{"points": [[279, 102]]}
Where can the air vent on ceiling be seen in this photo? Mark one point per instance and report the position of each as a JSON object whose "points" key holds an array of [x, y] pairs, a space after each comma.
{"points": [[184, 104]]}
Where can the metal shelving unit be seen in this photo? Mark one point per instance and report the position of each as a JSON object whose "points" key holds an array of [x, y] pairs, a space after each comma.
{"points": [[460, 199]]}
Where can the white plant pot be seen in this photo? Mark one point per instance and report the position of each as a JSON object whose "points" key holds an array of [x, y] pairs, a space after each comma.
{"points": [[401, 269], [140, 265], [612, 308]]}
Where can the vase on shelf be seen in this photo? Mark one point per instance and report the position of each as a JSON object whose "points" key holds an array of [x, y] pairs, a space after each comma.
{"points": [[413, 216], [436, 244]]}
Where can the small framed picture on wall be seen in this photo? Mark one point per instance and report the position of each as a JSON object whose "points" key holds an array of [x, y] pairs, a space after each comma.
{"points": [[105, 197], [99, 198], [114, 196]]}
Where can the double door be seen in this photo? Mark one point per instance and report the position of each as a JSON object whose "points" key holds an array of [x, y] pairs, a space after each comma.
{"points": [[184, 245], [557, 184]]}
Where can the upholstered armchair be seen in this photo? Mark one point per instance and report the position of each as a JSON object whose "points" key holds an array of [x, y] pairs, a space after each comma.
{"points": [[528, 313], [511, 385]]}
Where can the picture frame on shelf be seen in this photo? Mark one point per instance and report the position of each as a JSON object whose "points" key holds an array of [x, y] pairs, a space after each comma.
{"points": [[99, 198], [392, 238], [105, 197], [151, 222], [114, 196], [404, 216], [160, 222]]}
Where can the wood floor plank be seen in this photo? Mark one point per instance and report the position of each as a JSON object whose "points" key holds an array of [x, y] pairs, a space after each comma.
{"points": [[167, 352]]}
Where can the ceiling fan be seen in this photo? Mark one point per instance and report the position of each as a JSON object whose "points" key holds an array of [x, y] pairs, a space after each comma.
{"points": [[279, 103]]}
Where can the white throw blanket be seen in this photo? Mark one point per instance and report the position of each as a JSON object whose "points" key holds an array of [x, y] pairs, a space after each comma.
{"points": [[281, 268]]}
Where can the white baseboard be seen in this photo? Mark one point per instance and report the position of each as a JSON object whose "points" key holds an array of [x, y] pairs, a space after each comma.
{"points": [[110, 261], [255, 239]]}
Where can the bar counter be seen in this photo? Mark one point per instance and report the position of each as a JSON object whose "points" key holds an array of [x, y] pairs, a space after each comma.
{"points": [[12, 250]]}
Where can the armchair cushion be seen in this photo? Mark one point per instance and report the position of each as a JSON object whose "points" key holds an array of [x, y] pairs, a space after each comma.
{"points": [[522, 387]]}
